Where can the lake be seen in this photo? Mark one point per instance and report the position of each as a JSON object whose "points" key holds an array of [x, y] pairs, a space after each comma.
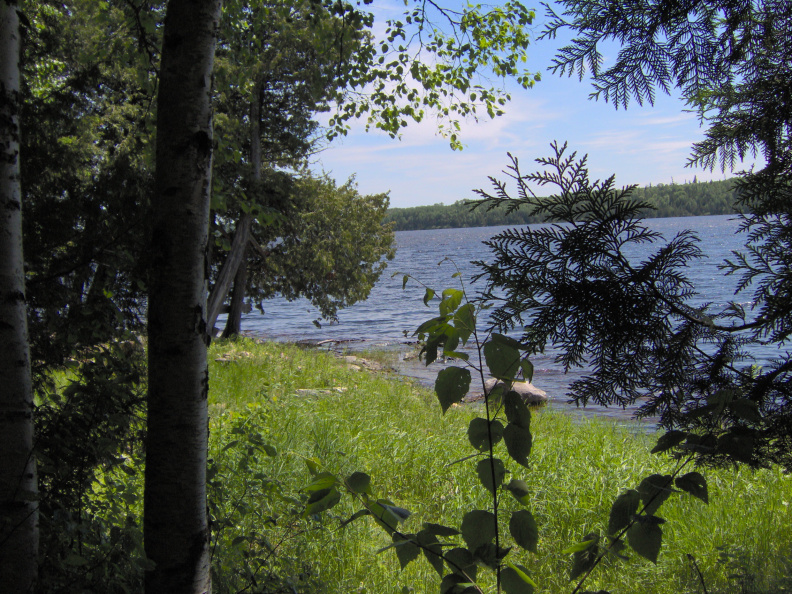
{"points": [[382, 320]]}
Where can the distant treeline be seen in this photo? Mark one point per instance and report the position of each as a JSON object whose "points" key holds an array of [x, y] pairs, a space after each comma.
{"points": [[670, 200]]}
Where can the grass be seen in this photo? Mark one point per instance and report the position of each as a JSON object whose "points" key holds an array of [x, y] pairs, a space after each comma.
{"points": [[313, 408]]}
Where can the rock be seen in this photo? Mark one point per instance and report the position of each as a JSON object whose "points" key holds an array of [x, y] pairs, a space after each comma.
{"points": [[530, 393]]}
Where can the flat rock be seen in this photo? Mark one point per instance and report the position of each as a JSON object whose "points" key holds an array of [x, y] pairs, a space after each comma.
{"points": [[529, 393]]}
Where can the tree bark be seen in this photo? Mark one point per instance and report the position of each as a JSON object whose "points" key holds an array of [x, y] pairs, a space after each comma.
{"points": [[228, 271], [18, 484], [234, 322], [242, 235], [176, 528]]}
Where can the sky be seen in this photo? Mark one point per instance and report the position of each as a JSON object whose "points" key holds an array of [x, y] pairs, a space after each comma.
{"points": [[642, 145]]}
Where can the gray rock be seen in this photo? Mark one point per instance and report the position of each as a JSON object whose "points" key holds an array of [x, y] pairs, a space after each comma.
{"points": [[530, 393]]}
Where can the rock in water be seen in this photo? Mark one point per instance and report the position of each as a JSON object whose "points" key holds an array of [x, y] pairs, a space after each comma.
{"points": [[529, 393]]}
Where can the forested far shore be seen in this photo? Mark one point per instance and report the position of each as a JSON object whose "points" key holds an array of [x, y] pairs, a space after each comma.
{"points": [[670, 200]]}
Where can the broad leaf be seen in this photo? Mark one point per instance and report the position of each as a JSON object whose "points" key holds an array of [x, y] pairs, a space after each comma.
{"points": [[479, 435], [518, 443], [527, 369], [515, 580], [745, 409], [451, 300], [478, 528], [406, 550], [428, 296], [485, 470], [519, 490], [669, 440], [695, 484], [320, 501], [321, 482], [623, 510], [387, 515], [451, 386], [439, 529], [517, 411], [359, 482], [584, 558], [654, 490], [524, 530], [465, 321], [431, 550], [737, 443], [503, 360], [355, 516], [456, 584], [461, 562], [645, 538]]}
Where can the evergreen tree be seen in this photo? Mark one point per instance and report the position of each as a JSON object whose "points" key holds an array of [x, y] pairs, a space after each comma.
{"points": [[633, 323]]}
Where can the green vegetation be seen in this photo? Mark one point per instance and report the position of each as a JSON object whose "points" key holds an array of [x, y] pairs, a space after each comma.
{"points": [[667, 200], [309, 407]]}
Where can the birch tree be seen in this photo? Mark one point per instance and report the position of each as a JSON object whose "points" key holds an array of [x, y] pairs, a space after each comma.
{"points": [[18, 509], [176, 529]]}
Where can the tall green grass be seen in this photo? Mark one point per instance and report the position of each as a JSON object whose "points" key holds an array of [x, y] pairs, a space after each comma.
{"points": [[313, 407]]}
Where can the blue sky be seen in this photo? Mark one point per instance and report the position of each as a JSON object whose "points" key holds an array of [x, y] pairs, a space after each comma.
{"points": [[641, 145]]}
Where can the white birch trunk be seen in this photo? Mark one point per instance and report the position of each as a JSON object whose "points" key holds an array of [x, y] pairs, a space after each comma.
{"points": [[18, 485], [176, 527]]}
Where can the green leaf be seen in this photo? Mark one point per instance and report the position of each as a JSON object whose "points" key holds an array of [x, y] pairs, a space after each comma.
{"points": [[451, 386], [527, 369], [451, 300], [695, 484], [406, 550], [75, 560], [485, 469], [737, 443], [669, 440], [461, 560], [439, 529], [518, 443], [465, 321], [515, 580], [584, 557], [503, 360], [745, 409], [478, 528], [623, 510], [654, 490], [432, 550], [517, 412], [359, 482], [387, 515], [456, 584], [519, 490], [321, 482], [404, 281], [479, 436], [591, 540], [524, 530], [645, 538], [428, 296], [355, 516], [320, 501]]}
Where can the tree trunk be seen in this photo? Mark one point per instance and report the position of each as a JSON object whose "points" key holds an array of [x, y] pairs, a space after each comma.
{"points": [[228, 271], [242, 234], [234, 322], [176, 529], [18, 485]]}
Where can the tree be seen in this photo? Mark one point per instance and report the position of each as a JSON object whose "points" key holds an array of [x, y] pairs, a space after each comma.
{"points": [[18, 485], [633, 323], [274, 74], [331, 248], [176, 528]]}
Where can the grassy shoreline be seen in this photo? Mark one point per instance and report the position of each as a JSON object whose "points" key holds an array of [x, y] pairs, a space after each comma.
{"points": [[313, 407]]}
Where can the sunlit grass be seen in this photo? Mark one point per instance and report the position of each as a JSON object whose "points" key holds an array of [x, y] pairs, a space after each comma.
{"points": [[351, 420]]}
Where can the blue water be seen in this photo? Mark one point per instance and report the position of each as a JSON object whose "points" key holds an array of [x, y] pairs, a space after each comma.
{"points": [[382, 320]]}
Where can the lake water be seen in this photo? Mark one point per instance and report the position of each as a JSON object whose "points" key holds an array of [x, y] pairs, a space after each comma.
{"points": [[382, 320]]}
